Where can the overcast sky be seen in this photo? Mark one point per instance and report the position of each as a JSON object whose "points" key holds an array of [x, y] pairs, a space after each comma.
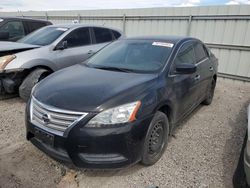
{"points": [[26, 5]]}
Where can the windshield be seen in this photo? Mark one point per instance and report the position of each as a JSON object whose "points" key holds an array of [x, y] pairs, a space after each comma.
{"points": [[43, 36], [143, 56]]}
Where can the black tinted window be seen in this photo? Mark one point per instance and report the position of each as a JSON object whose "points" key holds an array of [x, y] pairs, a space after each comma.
{"points": [[102, 35], [35, 25], [14, 29], [78, 37], [185, 54], [200, 53], [116, 34]]}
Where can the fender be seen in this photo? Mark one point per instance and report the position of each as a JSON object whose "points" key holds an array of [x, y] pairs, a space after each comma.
{"points": [[32, 58], [31, 63], [170, 107], [39, 62]]}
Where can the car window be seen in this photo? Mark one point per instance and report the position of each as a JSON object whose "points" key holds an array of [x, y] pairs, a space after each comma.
{"points": [[134, 55], [200, 53], [35, 25], [44, 36], [206, 50], [116, 34], [78, 37], [14, 28], [185, 55], [102, 35]]}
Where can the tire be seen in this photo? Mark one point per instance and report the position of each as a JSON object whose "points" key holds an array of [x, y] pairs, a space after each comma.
{"points": [[8, 96], [30, 81], [210, 93], [4, 95], [154, 146]]}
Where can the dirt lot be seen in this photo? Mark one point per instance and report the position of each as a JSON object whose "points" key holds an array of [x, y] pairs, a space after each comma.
{"points": [[202, 153]]}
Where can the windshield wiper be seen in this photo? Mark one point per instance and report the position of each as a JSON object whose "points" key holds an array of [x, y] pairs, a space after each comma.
{"points": [[113, 68]]}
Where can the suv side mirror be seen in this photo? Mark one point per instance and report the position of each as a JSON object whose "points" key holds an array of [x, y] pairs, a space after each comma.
{"points": [[4, 35], [61, 46], [185, 68]]}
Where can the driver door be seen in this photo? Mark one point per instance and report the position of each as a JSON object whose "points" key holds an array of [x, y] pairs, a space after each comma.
{"points": [[185, 86], [77, 50]]}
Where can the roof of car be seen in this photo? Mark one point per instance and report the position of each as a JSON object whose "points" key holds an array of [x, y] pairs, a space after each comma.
{"points": [[21, 18], [159, 38], [72, 26]]}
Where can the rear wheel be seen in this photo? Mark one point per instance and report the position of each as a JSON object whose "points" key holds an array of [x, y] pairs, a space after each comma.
{"points": [[30, 81], [156, 139], [210, 93]]}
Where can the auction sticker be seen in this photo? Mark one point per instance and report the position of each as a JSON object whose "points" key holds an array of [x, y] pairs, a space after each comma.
{"points": [[164, 44]]}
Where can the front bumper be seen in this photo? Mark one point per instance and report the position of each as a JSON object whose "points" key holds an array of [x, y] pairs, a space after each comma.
{"points": [[95, 147], [10, 81]]}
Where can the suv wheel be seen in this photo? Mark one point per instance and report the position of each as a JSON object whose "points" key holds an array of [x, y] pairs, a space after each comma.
{"points": [[30, 81], [156, 139]]}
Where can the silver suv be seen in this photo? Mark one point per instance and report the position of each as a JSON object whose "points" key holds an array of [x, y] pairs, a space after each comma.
{"points": [[46, 50]]}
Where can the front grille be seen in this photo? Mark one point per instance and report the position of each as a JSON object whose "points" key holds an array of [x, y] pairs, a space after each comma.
{"points": [[53, 118]]}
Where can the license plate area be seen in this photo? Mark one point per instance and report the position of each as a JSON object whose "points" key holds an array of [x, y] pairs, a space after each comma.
{"points": [[44, 137]]}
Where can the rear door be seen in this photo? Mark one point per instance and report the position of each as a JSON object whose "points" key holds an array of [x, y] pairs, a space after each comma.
{"points": [[78, 48], [185, 86], [204, 68]]}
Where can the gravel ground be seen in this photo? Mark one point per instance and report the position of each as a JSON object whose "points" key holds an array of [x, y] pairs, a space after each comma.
{"points": [[203, 152]]}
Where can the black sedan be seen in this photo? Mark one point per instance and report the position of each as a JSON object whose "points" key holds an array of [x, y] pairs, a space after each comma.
{"points": [[121, 106]]}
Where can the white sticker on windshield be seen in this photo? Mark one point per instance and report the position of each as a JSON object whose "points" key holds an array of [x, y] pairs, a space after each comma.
{"points": [[62, 29], [1, 20], [164, 44]]}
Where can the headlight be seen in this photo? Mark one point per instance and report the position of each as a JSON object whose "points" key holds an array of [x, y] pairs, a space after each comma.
{"points": [[5, 60], [121, 114]]}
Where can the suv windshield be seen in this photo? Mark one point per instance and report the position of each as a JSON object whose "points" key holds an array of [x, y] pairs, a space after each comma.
{"points": [[143, 56], [44, 36]]}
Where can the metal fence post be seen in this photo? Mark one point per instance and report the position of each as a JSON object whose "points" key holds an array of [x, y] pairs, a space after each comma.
{"points": [[124, 23], [46, 16], [189, 25], [21, 14], [78, 18]]}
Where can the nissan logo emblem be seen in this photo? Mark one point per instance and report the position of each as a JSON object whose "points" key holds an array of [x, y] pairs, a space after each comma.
{"points": [[46, 118]]}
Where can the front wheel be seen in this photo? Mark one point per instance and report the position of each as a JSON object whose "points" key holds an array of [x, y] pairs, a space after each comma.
{"points": [[30, 81], [156, 139]]}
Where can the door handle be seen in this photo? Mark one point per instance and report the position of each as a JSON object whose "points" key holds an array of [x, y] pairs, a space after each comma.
{"points": [[197, 77], [211, 68]]}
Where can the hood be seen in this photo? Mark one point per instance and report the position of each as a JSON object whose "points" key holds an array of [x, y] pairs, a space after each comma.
{"points": [[15, 47], [80, 88]]}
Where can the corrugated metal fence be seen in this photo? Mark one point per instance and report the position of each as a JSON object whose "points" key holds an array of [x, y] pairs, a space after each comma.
{"points": [[226, 29]]}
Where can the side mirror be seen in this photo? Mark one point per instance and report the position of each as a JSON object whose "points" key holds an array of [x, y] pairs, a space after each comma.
{"points": [[61, 46], [4, 35], [185, 68]]}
